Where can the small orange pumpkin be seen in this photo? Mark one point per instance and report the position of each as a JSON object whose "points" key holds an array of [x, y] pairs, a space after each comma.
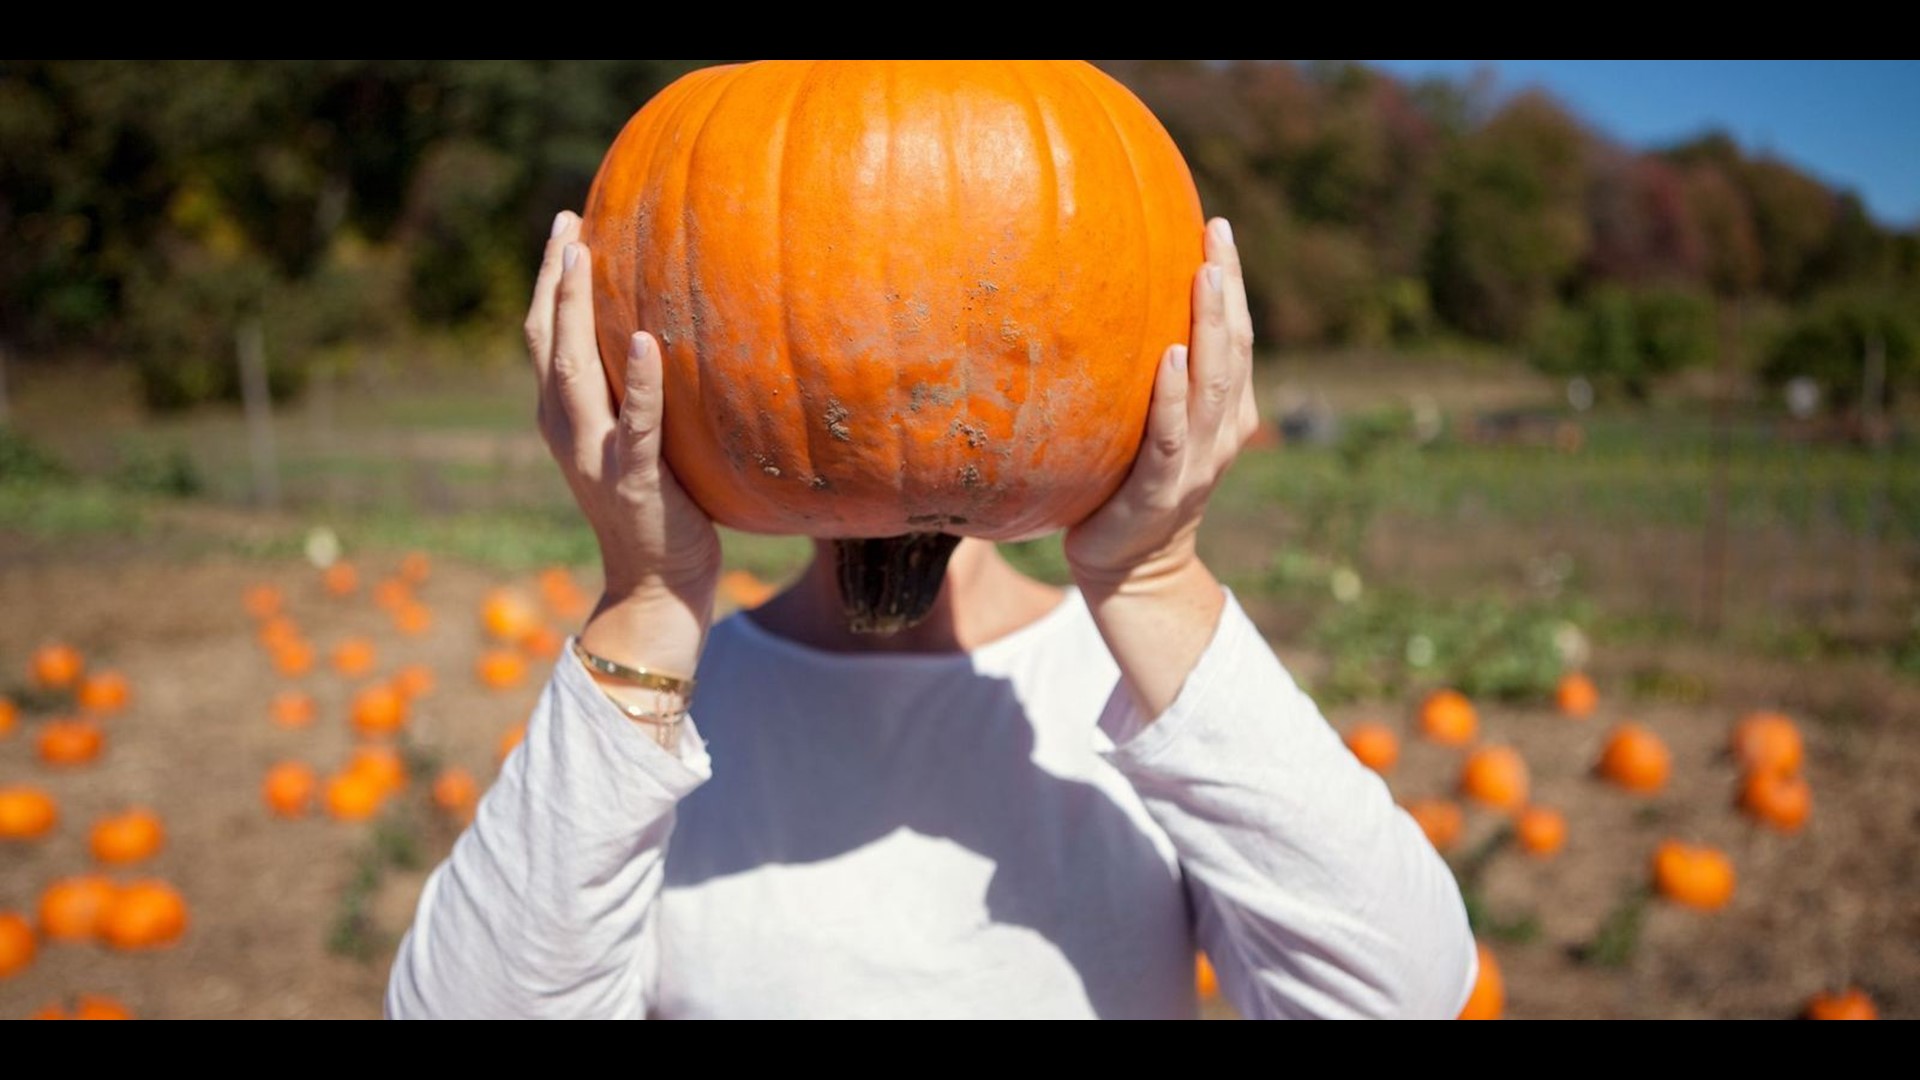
{"points": [[353, 796], [413, 619], [743, 590], [501, 669], [98, 1007], [392, 594], [1694, 876], [1636, 759], [414, 681], [379, 711], [144, 915], [1849, 1004], [1542, 831], [1495, 776], [1782, 800], [1375, 744], [416, 568], [71, 908], [262, 601], [292, 709], [354, 658], [278, 631], [1768, 741], [341, 579], [1440, 819], [456, 793], [542, 643], [564, 597], [9, 717], [127, 837], [85, 1007], [1489, 997], [507, 616], [293, 659], [1448, 718], [288, 789], [17, 945], [1576, 696], [1206, 982], [381, 764], [70, 742], [57, 666], [26, 813], [509, 739], [104, 693]]}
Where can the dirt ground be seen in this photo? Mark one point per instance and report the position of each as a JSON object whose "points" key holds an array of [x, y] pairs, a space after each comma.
{"points": [[1837, 904]]}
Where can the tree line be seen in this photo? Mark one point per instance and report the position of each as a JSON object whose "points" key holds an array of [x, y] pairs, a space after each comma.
{"points": [[147, 205]]}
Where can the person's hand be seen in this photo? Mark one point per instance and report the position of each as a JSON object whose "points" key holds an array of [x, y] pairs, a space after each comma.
{"points": [[658, 548], [1203, 412]]}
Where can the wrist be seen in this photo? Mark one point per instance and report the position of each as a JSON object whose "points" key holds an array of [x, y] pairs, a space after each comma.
{"points": [[1172, 568], [656, 627]]}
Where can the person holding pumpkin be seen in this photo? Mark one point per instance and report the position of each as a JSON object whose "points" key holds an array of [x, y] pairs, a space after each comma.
{"points": [[1032, 802]]}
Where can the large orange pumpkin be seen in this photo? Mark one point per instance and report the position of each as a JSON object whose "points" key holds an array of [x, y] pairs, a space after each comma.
{"points": [[1448, 718], [897, 299]]}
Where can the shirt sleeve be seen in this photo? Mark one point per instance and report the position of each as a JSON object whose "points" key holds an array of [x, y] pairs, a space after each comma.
{"points": [[545, 907], [1314, 894]]}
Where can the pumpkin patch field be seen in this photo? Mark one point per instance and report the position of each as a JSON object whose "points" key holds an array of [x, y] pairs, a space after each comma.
{"points": [[234, 739]]}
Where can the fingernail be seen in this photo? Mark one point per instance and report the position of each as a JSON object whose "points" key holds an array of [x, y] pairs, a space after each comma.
{"points": [[1179, 354], [570, 256], [1222, 230], [1215, 278], [559, 223], [637, 345]]}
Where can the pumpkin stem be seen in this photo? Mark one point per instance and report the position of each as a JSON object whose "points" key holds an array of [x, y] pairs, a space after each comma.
{"points": [[889, 585]]}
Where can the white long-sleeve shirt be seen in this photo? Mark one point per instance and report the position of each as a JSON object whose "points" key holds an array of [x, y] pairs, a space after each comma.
{"points": [[994, 833]]}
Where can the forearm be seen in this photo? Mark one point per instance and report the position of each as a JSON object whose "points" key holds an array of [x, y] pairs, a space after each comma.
{"points": [[1316, 895], [545, 906], [1157, 622]]}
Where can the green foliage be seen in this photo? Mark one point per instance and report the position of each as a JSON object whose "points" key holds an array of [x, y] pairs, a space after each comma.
{"points": [[1618, 937], [1829, 343], [1388, 643], [149, 204], [1624, 339], [21, 461]]}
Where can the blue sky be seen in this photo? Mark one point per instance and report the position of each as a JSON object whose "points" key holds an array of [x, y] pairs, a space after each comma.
{"points": [[1855, 124]]}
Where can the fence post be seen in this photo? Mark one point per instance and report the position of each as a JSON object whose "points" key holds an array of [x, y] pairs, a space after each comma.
{"points": [[251, 347]]}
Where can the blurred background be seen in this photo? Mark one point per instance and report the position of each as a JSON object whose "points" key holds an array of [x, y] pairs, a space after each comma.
{"points": [[1589, 393]]}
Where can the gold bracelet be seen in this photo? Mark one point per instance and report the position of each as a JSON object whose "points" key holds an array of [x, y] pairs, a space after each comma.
{"points": [[651, 680]]}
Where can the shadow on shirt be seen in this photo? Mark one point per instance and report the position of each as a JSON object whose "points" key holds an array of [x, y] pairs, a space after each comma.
{"points": [[892, 801]]}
